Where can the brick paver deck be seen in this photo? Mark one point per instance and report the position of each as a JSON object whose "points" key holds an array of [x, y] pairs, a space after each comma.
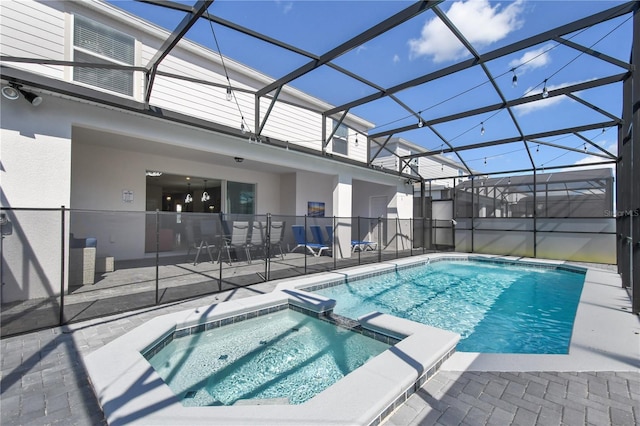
{"points": [[43, 382]]}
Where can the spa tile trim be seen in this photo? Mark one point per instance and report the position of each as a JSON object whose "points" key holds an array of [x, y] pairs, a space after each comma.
{"points": [[328, 316]]}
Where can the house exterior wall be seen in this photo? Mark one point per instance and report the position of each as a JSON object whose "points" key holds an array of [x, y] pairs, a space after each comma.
{"points": [[47, 33], [83, 155]]}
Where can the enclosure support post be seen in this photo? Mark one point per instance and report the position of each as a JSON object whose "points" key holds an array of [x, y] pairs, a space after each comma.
{"points": [[267, 248], [157, 256], [62, 262], [535, 213]]}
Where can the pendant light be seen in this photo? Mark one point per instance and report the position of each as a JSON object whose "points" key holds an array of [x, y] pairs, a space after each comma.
{"points": [[205, 194], [188, 198]]}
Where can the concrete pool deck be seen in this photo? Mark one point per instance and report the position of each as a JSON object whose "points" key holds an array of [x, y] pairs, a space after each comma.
{"points": [[44, 380]]}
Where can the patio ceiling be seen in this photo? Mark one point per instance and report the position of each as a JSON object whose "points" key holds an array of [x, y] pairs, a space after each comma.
{"points": [[425, 102]]}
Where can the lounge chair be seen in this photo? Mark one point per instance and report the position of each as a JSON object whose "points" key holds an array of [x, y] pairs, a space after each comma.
{"points": [[301, 240], [316, 233], [361, 245], [355, 244]]}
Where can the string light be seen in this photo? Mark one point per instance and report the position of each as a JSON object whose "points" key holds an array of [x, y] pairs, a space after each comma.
{"points": [[420, 123], [482, 128], [545, 92], [538, 148], [585, 147], [514, 80], [242, 128], [229, 96], [485, 161]]}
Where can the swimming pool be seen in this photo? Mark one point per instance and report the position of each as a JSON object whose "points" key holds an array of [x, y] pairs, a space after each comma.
{"points": [[285, 357], [496, 307]]}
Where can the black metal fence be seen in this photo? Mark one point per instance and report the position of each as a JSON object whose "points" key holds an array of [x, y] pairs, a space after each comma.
{"points": [[61, 266]]}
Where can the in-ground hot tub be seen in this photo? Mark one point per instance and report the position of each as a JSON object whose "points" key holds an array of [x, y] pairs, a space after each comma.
{"points": [[130, 390], [283, 357]]}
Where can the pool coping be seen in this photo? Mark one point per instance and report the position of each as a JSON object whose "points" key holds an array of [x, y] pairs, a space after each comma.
{"points": [[130, 391]]}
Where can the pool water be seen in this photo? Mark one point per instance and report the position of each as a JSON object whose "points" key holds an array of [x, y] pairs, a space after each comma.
{"points": [[285, 357], [496, 308]]}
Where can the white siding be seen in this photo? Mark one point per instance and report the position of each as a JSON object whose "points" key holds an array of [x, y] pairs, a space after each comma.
{"points": [[388, 162], [32, 30], [293, 124]]}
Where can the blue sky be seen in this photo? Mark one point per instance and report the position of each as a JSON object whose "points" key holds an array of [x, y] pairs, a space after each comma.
{"points": [[423, 45]]}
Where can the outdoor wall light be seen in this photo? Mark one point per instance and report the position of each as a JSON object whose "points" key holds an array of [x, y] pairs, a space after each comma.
{"points": [[12, 92], [32, 98], [238, 159]]}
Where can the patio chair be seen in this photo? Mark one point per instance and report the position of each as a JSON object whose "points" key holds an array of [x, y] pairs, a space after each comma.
{"points": [[301, 240], [205, 241], [277, 236], [237, 239], [256, 240]]}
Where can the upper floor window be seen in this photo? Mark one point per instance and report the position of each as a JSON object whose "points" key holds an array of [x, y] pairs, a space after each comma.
{"points": [[97, 43], [340, 139]]}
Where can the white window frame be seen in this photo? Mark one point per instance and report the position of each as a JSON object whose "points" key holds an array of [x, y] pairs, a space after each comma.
{"points": [[100, 57], [339, 138]]}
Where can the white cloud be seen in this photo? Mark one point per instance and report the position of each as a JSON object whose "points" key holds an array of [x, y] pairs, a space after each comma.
{"points": [[286, 6], [396, 58], [527, 108], [532, 59], [361, 48], [587, 162], [480, 23]]}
